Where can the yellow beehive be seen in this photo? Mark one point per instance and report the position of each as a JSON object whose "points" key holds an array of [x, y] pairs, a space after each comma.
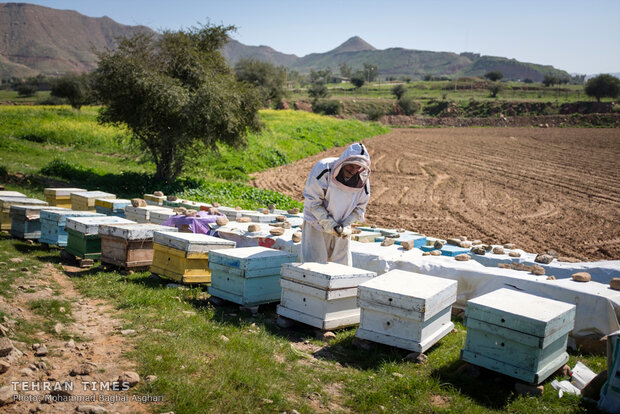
{"points": [[180, 266], [60, 197], [85, 201]]}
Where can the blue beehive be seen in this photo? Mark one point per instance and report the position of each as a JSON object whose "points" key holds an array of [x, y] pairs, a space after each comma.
{"points": [[419, 240], [518, 334], [25, 221], [248, 276], [447, 250], [53, 225]]}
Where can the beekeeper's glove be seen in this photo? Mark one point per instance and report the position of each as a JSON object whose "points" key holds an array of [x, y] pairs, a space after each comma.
{"points": [[346, 232]]}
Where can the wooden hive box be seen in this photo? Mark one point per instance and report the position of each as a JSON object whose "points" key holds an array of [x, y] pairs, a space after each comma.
{"points": [[25, 221], [419, 240], [184, 257], [60, 197], [448, 250], [323, 295], [257, 217], [142, 214], [248, 276], [5, 208], [53, 224], [6, 193], [518, 334], [158, 216], [83, 239], [85, 200], [194, 205], [128, 245], [153, 200], [406, 310], [111, 206]]}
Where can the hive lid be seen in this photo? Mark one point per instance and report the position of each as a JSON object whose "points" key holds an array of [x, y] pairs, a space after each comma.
{"points": [[249, 258], [60, 215], [6, 202], [6, 193], [132, 231], [90, 224], [326, 275], [191, 242], [92, 194], [522, 312], [113, 203], [408, 291], [32, 212], [62, 192]]}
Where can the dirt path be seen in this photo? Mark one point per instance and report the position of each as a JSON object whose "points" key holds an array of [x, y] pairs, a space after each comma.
{"points": [[540, 188], [97, 354]]}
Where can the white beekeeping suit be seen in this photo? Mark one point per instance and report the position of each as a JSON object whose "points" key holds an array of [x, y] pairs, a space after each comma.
{"points": [[334, 196]]}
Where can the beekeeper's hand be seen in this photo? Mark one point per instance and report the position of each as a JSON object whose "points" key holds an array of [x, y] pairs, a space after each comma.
{"points": [[346, 232], [328, 224]]}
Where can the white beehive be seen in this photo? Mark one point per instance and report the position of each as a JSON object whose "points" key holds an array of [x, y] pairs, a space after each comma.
{"points": [[323, 295], [406, 310], [142, 214]]}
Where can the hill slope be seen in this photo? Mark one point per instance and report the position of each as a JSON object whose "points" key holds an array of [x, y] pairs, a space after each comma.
{"points": [[36, 39]]}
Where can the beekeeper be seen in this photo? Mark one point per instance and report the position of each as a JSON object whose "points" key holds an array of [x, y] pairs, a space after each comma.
{"points": [[336, 194]]}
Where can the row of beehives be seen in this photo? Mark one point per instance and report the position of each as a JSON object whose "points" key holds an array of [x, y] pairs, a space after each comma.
{"points": [[525, 341]]}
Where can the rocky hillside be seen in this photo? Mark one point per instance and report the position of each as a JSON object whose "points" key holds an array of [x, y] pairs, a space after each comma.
{"points": [[36, 39]]}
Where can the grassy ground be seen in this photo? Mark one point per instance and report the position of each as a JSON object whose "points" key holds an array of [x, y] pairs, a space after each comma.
{"points": [[221, 359]]}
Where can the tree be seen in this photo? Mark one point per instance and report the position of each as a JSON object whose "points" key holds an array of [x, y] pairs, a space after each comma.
{"points": [[408, 105], [398, 91], [176, 94], [494, 89], [494, 75], [75, 88], [269, 79], [550, 80], [358, 80], [345, 70], [370, 72], [602, 86], [26, 89], [318, 90]]}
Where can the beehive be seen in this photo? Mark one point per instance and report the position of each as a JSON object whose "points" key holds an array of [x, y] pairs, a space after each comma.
{"points": [[111, 206], [366, 236], [6, 193], [406, 310], [60, 197], [231, 213], [518, 334], [323, 295], [25, 221], [128, 245], [184, 257], [417, 239], [194, 205], [142, 214], [447, 250], [153, 200], [247, 276], [53, 225], [257, 217], [83, 235], [5, 208], [85, 200], [160, 215]]}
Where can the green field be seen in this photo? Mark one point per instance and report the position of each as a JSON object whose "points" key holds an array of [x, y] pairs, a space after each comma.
{"points": [[222, 359]]}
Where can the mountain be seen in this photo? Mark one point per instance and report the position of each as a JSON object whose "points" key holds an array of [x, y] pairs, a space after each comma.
{"points": [[36, 39]]}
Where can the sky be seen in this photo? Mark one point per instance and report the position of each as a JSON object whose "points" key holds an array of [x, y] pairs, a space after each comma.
{"points": [[581, 37]]}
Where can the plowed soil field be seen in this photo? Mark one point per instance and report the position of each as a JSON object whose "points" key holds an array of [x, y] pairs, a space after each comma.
{"points": [[541, 189]]}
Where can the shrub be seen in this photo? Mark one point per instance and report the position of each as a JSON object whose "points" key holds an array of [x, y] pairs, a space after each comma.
{"points": [[494, 89], [434, 108], [398, 91], [26, 90], [327, 107], [408, 105], [3, 172], [375, 113]]}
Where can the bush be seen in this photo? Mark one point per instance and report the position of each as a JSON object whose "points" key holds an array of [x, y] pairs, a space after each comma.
{"points": [[26, 90], [434, 108], [398, 91], [494, 89], [408, 105], [327, 107], [375, 113], [3, 172]]}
